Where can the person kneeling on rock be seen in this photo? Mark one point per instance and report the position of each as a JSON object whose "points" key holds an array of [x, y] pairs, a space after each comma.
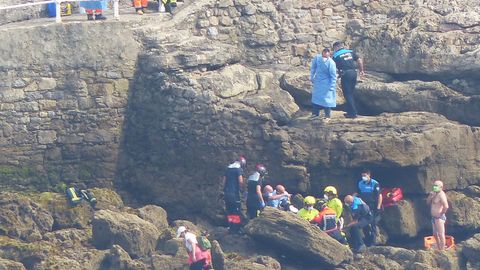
{"points": [[362, 218], [308, 212], [198, 259]]}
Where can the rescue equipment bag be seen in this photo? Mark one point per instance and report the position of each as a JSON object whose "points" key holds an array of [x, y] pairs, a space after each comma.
{"points": [[72, 196], [391, 196]]}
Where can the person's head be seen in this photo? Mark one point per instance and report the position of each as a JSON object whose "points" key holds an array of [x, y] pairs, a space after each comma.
{"points": [[280, 189], [326, 53], [348, 200], [309, 202], [320, 204], [366, 175], [268, 189], [242, 160], [437, 186], [330, 192], [181, 231], [337, 45], [261, 169]]}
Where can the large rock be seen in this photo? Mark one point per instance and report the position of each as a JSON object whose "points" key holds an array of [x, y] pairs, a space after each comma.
{"points": [[10, 265], [375, 97], [231, 81], [418, 40], [135, 235], [405, 219], [155, 215], [118, 259], [286, 231], [471, 250], [464, 212], [22, 218]]}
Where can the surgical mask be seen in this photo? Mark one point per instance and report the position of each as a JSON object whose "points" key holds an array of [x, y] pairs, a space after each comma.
{"points": [[365, 178], [325, 196], [309, 208], [436, 189]]}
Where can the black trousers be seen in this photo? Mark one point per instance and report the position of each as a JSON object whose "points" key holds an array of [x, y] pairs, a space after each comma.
{"points": [[363, 224], [233, 207], [349, 81], [198, 265]]}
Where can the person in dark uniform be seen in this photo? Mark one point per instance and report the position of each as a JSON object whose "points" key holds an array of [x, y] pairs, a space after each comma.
{"points": [[232, 185], [255, 201], [369, 191], [345, 61], [362, 218]]}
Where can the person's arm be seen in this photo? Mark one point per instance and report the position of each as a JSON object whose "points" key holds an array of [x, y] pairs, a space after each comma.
{"points": [[194, 246], [241, 182], [444, 201], [360, 66], [313, 69], [259, 194]]}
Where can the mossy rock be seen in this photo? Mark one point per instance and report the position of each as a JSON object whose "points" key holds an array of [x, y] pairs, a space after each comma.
{"points": [[16, 250], [107, 199], [64, 215]]}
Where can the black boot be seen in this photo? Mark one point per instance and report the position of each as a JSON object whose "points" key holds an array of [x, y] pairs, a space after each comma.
{"points": [[90, 17], [100, 17]]}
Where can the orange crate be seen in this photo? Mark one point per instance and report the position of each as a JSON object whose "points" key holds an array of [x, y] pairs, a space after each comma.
{"points": [[430, 242]]}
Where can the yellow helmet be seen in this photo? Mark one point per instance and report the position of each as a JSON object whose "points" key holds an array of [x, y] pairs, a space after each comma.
{"points": [[331, 189], [309, 200]]}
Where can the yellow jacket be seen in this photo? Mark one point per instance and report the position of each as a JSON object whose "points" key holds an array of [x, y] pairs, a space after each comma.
{"points": [[171, 1], [336, 205], [308, 215]]}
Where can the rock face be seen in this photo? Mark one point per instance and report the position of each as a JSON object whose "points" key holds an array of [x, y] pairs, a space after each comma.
{"points": [[10, 265], [135, 235], [23, 219], [464, 211], [471, 250], [284, 230]]}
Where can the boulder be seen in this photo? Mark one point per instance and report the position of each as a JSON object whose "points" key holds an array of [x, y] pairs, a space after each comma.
{"points": [[471, 249], [286, 231], [231, 81], [161, 261], [22, 218], [399, 220], [107, 199], [64, 215], [118, 259], [218, 257], [137, 236], [375, 97], [155, 215], [10, 265], [464, 212]]}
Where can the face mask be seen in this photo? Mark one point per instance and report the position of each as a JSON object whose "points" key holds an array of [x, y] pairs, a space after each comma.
{"points": [[309, 208], [365, 178], [436, 189]]}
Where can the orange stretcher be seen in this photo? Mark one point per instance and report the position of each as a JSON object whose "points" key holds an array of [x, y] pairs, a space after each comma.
{"points": [[430, 242]]}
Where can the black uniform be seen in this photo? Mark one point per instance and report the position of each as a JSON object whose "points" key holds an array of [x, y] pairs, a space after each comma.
{"points": [[231, 192], [345, 61], [253, 202]]}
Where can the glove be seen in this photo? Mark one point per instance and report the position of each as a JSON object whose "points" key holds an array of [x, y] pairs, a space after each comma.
{"points": [[262, 205]]}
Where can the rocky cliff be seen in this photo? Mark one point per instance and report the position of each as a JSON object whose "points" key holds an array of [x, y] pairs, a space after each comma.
{"points": [[156, 107]]}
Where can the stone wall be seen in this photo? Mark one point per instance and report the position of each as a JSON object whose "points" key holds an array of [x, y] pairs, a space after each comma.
{"points": [[20, 14], [63, 90]]}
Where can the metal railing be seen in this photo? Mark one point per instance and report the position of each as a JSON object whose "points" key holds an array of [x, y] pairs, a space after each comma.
{"points": [[58, 17]]}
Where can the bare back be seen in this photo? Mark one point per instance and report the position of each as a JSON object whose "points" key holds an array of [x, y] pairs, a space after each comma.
{"points": [[439, 204]]}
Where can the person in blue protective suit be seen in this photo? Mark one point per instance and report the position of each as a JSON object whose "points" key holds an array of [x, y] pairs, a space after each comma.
{"points": [[347, 69], [362, 219], [323, 74], [369, 192], [255, 201]]}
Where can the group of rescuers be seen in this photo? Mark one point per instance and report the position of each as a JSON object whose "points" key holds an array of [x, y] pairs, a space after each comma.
{"points": [[326, 213]]}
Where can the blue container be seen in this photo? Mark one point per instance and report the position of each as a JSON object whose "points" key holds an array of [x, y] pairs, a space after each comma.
{"points": [[51, 10]]}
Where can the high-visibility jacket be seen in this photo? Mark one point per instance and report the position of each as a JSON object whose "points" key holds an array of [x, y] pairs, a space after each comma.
{"points": [[336, 205], [171, 1], [308, 215]]}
